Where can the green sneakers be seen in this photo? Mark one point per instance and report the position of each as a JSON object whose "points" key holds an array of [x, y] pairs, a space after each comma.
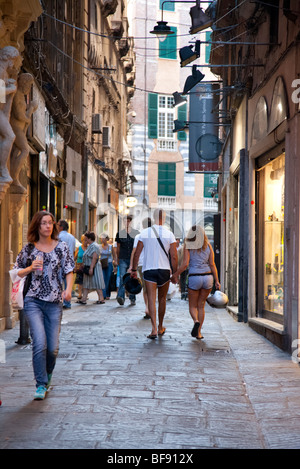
{"points": [[40, 393]]}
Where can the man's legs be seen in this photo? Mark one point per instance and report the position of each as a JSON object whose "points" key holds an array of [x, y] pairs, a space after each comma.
{"points": [[162, 300], [151, 294]]}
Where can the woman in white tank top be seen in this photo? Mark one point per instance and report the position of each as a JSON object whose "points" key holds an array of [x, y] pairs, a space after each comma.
{"points": [[198, 255]]}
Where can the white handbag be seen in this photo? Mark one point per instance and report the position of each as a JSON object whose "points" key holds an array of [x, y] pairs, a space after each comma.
{"points": [[17, 300]]}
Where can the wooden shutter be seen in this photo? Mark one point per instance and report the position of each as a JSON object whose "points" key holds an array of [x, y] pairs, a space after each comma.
{"points": [[152, 115], [168, 6], [166, 179], [168, 48]]}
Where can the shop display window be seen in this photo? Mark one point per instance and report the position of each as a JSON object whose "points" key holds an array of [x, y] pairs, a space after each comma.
{"points": [[273, 235]]}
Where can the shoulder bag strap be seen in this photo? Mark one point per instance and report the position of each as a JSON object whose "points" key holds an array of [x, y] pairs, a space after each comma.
{"points": [[162, 246]]}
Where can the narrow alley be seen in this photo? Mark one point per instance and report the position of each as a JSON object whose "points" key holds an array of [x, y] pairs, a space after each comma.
{"points": [[113, 388]]}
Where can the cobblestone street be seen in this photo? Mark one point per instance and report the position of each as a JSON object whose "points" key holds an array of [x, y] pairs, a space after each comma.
{"points": [[113, 388]]}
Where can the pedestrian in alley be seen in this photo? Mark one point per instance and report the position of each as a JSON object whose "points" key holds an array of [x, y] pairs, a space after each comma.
{"points": [[68, 238], [78, 257], [146, 223], [92, 273], [157, 244], [198, 256], [125, 240], [51, 262], [106, 252]]}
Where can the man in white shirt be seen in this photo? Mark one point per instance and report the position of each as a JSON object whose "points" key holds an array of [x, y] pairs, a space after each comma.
{"points": [[160, 259], [68, 238]]}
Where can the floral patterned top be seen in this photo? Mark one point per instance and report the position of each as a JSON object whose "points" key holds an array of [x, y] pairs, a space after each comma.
{"points": [[56, 265]]}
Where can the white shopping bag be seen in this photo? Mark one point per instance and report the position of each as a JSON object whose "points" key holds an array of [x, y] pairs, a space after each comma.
{"points": [[17, 289], [171, 291]]}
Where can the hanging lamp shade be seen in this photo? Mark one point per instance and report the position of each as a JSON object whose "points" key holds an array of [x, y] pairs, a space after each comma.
{"points": [[188, 55], [179, 125], [178, 99], [192, 80], [162, 30], [199, 19]]}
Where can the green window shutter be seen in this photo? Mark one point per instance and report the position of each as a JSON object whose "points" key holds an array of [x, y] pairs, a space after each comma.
{"points": [[168, 48], [152, 115], [181, 135], [166, 179], [208, 46], [167, 6]]}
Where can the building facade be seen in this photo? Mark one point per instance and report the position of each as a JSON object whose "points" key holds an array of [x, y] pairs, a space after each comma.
{"points": [[260, 181], [160, 155], [75, 71]]}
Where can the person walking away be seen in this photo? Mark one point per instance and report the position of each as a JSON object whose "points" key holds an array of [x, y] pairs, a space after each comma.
{"points": [[106, 253], [94, 279], [125, 240], [198, 256], [145, 224], [157, 267], [68, 238], [51, 262], [78, 257]]}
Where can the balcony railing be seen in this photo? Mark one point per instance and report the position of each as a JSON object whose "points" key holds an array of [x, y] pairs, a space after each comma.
{"points": [[167, 202], [165, 144], [210, 205]]}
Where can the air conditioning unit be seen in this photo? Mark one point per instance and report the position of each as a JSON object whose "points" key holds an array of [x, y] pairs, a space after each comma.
{"points": [[106, 137], [96, 124]]}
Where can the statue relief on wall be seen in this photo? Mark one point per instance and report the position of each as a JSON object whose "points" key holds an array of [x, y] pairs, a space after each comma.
{"points": [[20, 119], [15, 114], [10, 62]]}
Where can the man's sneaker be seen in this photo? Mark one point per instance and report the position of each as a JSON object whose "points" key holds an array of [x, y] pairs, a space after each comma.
{"points": [[132, 302], [120, 300], [40, 393], [49, 381]]}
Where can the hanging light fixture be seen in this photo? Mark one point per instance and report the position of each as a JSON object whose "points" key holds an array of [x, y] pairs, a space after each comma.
{"points": [[192, 80], [179, 125], [188, 55], [199, 19], [179, 100], [162, 30]]}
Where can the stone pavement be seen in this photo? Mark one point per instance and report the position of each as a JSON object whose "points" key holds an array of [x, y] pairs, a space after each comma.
{"points": [[113, 388]]}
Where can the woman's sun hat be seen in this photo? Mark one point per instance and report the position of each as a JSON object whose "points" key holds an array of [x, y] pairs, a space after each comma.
{"points": [[195, 237]]}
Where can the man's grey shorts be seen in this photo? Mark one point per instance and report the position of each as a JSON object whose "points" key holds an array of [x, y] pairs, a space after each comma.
{"points": [[196, 282]]}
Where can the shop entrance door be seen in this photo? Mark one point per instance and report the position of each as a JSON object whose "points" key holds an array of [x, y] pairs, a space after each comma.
{"points": [[270, 254]]}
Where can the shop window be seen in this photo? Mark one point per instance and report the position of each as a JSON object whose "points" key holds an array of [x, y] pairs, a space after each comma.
{"points": [[279, 105], [260, 121], [273, 235]]}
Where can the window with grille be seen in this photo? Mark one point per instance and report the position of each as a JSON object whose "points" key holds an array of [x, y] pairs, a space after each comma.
{"points": [[161, 116]]}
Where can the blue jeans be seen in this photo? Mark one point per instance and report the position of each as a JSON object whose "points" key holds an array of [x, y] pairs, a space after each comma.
{"points": [[123, 267], [106, 276], [44, 320]]}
